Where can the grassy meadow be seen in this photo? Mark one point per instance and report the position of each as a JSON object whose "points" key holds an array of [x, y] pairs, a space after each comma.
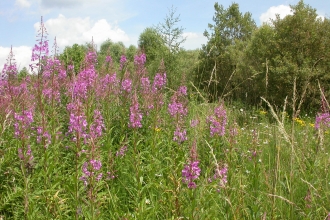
{"points": [[115, 142]]}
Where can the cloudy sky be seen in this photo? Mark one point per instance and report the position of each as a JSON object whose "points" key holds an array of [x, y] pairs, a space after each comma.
{"points": [[77, 21]]}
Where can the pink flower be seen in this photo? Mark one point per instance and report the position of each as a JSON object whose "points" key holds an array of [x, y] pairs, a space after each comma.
{"points": [[218, 121], [108, 59], [190, 173], [126, 85], [221, 175], [121, 151], [180, 135], [322, 120], [135, 117], [22, 122], [97, 126], [159, 82], [91, 169], [122, 61], [140, 60]]}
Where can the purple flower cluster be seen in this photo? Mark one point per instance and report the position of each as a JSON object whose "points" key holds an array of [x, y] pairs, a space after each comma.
{"points": [[91, 58], [89, 170], [135, 117], [9, 68], [12, 91], [122, 151], [140, 60], [51, 80], [178, 105], [322, 120], [108, 85], [221, 174], [43, 134], [77, 125], [180, 135], [40, 50], [159, 82], [84, 82], [182, 90], [70, 67], [108, 59], [194, 123], [22, 122], [218, 121], [148, 96], [27, 157], [145, 85], [78, 121], [97, 126], [123, 61], [190, 173], [177, 108], [126, 85]]}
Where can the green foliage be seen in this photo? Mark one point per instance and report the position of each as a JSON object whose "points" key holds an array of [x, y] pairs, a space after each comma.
{"points": [[131, 52], [170, 32], [220, 56], [23, 73], [289, 50], [243, 62], [152, 44], [115, 50], [172, 36], [163, 44], [74, 55]]}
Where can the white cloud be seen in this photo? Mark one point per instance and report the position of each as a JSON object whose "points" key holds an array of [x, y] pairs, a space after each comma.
{"points": [[70, 3], [193, 40], [281, 10], [190, 35], [69, 31], [23, 3], [22, 56], [60, 3], [320, 17]]}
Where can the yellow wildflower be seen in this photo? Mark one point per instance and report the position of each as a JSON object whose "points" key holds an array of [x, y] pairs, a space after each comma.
{"points": [[299, 121]]}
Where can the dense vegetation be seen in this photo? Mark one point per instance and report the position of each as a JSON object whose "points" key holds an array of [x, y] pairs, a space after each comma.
{"points": [[158, 132]]}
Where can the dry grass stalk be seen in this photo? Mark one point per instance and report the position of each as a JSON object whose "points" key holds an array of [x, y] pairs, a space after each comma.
{"points": [[280, 126], [281, 197], [204, 99]]}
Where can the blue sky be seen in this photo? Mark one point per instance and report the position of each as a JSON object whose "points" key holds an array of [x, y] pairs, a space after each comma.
{"points": [[77, 21]]}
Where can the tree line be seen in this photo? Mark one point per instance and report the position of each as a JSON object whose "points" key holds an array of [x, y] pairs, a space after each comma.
{"points": [[286, 58]]}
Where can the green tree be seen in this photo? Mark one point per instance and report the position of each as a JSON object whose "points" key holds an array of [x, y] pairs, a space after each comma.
{"points": [[74, 55], [171, 33], [172, 36], [255, 64], [131, 52], [115, 50], [290, 50], [23, 73], [153, 45], [227, 38]]}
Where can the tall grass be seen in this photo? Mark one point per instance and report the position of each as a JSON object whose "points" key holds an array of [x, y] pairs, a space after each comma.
{"points": [[117, 144]]}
